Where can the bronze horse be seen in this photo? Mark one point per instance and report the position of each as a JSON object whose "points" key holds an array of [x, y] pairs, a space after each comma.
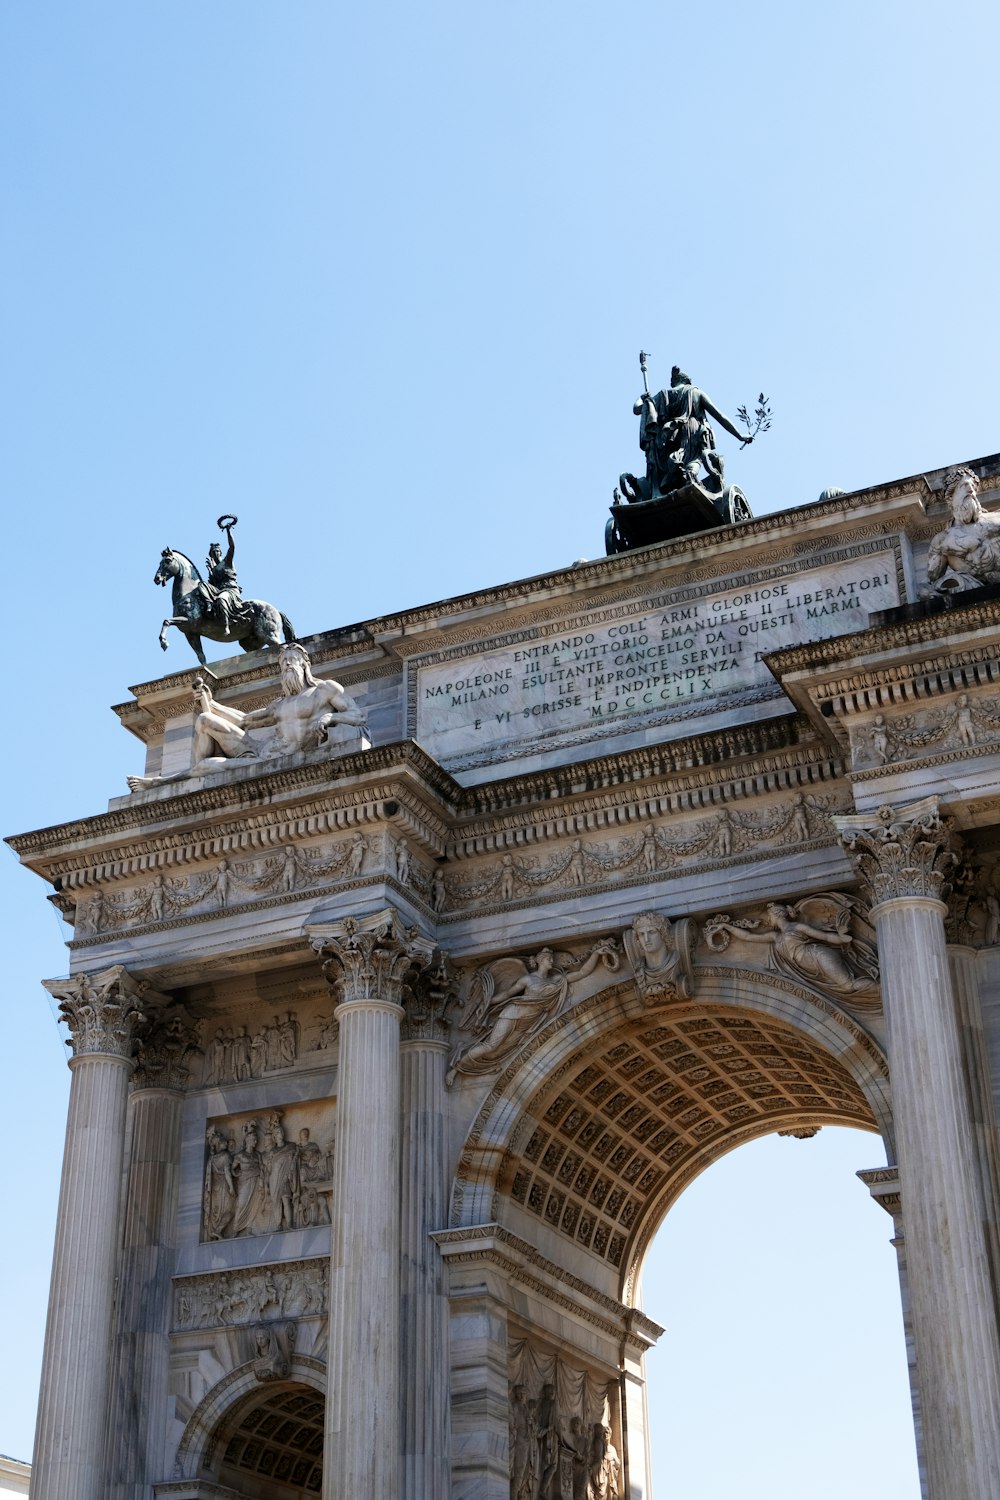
{"points": [[256, 624]]}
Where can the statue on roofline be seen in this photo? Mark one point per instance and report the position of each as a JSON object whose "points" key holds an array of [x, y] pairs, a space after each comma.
{"points": [[215, 607], [683, 489]]}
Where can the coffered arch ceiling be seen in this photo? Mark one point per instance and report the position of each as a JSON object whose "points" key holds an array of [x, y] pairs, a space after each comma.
{"points": [[607, 1115]]}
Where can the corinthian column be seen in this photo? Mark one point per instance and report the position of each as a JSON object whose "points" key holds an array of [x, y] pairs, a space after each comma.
{"points": [[370, 962], [103, 1013], [905, 857], [424, 1188]]}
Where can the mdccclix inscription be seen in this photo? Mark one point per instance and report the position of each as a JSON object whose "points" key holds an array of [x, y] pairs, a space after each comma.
{"points": [[594, 673]]}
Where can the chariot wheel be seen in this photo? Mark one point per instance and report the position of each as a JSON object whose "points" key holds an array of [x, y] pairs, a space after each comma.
{"points": [[613, 539], [734, 506]]}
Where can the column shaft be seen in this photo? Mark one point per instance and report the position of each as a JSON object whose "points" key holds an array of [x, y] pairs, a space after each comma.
{"points": [[361, 1454], [953, 1310], [72, 1405], [424, 1307], [140, 1377]]}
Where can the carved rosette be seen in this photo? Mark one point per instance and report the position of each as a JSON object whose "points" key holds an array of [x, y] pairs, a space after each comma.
{"points": [[103, 1011], [427, 1001], [906, 852], [163, 1049], [372, 958]]}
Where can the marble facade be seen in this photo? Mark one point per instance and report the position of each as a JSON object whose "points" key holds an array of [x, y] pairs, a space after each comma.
{"points": [[391, 1053]]}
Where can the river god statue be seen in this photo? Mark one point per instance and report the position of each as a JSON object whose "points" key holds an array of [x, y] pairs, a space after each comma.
{"points": [[311, 714]]}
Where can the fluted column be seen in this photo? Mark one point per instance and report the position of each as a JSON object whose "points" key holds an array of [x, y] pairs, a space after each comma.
{"points": [[103, 1013], [965, 980], [424, 1190], [369, 961], [883, 1184], [905, 856], [140, 1393]]}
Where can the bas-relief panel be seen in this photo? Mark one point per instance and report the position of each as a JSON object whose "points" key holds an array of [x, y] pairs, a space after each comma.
{"points": [[227, 1299], [560, 1435], [268, 1171], [606, 671]]}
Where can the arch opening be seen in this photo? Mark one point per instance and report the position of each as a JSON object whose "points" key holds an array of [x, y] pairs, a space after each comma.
{"points": [[623, 1107], [271, 1447]]}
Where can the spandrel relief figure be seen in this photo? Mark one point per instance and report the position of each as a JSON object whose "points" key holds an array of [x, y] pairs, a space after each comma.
{"points": [[660, 954], [220, 1190], [966, 555], [823, 940], [514, 997], [311, 713]]}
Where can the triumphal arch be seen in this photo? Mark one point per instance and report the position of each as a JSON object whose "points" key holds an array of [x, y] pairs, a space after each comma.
{"points": [[425, 962]]}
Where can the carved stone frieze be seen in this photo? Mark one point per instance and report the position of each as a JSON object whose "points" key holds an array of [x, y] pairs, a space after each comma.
{"points": [[103, 1011], [372, 958], [258, 1294], [824, 940], [909, 851], [659, 849], [510, 998], [960, 725]]}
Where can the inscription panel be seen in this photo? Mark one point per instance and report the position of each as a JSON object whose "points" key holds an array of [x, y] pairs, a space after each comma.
{"points": [[652, 661]]}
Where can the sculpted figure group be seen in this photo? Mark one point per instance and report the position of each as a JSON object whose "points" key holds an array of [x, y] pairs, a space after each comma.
{"points": [[267, 1183], [554, 1458], [825, 941], [236, 1057]]}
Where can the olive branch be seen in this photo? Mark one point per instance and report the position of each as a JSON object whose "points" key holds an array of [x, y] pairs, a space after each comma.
{"points": [[762, 413]]}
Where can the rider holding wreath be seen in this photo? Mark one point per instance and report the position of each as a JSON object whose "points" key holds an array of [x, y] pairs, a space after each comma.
{"points": [[221, 584]]}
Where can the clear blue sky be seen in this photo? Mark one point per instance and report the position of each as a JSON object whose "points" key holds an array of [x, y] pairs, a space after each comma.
{"points": [[375, 278]]}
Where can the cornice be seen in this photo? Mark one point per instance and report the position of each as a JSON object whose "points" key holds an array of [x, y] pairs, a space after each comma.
{"points": [[244, 799], [881, 639], [725, 548], [494, 1245]]}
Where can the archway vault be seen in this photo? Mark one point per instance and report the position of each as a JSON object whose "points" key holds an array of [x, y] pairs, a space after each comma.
{"points": [[610, 1111]]}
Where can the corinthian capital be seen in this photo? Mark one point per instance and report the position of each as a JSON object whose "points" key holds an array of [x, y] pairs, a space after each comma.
{"points": [[432, 993], [103, 1011], [371, 958], [900, 852]]}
